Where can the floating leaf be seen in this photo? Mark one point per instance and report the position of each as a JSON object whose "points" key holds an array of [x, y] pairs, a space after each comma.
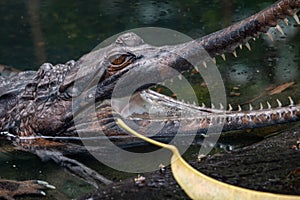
{"points": [[199, 186]]}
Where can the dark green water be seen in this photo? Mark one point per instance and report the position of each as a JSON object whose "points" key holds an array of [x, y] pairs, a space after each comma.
{"points": [[66, 30], [33, 32]]}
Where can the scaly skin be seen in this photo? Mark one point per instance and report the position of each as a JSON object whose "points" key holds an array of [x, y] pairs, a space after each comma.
{"points": [[33, 103]]}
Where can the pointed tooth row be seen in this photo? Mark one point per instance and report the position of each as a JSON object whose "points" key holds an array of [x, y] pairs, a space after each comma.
{"points": [[260, 105], [268, 34], [234, 52], [213, 106], [239, 107]]}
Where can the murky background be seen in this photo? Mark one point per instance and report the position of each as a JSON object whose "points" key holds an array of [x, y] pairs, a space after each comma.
{"points": [[33, 32]]}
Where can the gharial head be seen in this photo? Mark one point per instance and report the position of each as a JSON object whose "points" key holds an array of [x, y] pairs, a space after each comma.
{"points": [[128, 56], [46, 104]]}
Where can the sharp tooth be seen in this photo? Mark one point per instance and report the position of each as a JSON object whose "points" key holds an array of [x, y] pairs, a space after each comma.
{"points": [[194, 103], [291, 101], [279, 103], [212, 106], [269, 105], [279, 29], [214, 60], [197, 69], [296, 18], [261, 106], [239, 108], [42, 182], [204, 64], [221, 106], [171, 80], [254, 39], [180, 77], [248, 46], [250, 107], [234, 53], [270, 36], [229, 107], [286, 21], [241, 46], [224, 57], [203, 105]]}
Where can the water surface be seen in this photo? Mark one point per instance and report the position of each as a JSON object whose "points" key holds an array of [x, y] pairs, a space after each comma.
{"points": [[33, 32]]}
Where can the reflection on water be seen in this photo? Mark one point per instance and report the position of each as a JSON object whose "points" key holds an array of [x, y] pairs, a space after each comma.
{"points": [[33, 32]]}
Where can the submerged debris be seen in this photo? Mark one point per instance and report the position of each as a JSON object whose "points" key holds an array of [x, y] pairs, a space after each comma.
{"points": [[280, 88], [140, 181], [162, 168], [201, 157], [297, 145]]}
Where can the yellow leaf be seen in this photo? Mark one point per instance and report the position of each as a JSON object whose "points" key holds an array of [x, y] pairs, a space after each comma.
{"points": [[199, 186]]}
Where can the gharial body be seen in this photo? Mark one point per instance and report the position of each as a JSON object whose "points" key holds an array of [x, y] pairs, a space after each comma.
{"points": [[42, 103]]}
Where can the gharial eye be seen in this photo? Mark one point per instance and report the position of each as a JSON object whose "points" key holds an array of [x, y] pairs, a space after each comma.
{"points": [[119, 61]]}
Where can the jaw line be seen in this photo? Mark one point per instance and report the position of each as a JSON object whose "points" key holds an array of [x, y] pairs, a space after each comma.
{"points": [[148, 104]]}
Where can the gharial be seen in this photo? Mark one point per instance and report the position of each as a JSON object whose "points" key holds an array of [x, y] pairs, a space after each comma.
{"points": [[34, 104]]}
